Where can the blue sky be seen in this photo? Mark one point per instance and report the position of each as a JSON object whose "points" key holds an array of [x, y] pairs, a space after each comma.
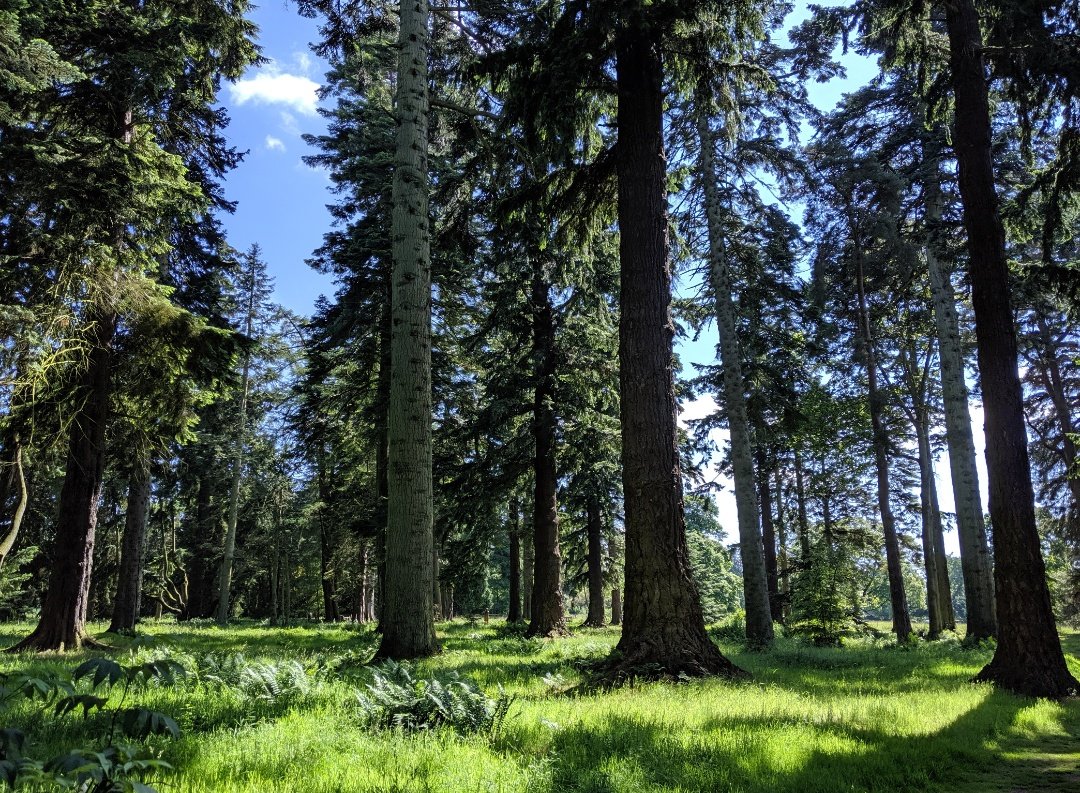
{"points": [[282, 201]]}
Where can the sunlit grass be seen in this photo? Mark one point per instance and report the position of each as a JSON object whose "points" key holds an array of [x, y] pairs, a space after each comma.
{"points": [[866, 717]]}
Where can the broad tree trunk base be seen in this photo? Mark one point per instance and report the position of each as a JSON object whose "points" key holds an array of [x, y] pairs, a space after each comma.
{"points": [[594, 623], [1030, 681], [43, 641], [659, 657]]}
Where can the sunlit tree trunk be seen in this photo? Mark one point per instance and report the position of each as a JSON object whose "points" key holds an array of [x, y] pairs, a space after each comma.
{"points": [[407, 621]]}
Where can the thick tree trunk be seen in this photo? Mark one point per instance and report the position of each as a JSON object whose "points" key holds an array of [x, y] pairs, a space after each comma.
{"points": [[407, 621], [594, 526], [513, 613], [548, 616], [1028, 658], [758, 584], [128, 601], [616, 606], [62, 625], [663, 626], [864, 340], [200, 601], [975, 560]]}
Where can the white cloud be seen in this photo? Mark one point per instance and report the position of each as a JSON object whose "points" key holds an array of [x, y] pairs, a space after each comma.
{"points": [[289, 124], [274, 144], [271, 86]]}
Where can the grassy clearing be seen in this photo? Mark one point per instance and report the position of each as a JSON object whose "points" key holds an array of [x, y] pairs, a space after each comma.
{"points": [[867, 717]]}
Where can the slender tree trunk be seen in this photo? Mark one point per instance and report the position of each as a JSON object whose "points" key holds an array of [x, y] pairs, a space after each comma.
{"points": [[1054, 383], [1028, 658], [207, 543], [663, 626], [514, 611], [935, 598], [901, 619], [225, 577], [326, 547], [782, 541], [548, 614], [382, 464], [800, 499], [62, 625], [407, 620], [18, 473], [126, 606], [436, 588], [758, 585], [975, 560], [594, 526], [527, 579], [616, 606], [768, 536]]}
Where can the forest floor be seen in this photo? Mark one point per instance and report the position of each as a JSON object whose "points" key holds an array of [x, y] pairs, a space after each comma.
{"points": [[865, 717]]}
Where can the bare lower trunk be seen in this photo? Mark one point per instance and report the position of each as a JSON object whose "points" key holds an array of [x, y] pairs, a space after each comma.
{"points": [[527, 567], [19, 474], [901, 619], [514, 611], [616, 606], [593, 524], [975, 560], [548, 616], [62, 625], [128, 600], [1028, 658], [768, 536], [758, 585], [800, 498], [663, 626], [407, 620]]}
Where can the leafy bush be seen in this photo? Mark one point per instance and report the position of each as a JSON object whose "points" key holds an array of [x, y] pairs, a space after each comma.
{"points": [[112, 767], [396, 698], [280, 681]]}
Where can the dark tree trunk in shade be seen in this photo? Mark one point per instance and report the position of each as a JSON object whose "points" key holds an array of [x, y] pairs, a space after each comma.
{"points": [[594, 526], [616, 606], [360, 611], [1028, 658], [527, 567], [663, 626], [864, 340], [800, 499], [326, 546], [783, 560], [200, 602], [548, 616], [128, 600], [62, 625], [768, 534], [1048, 365], [514, 531], [935, 598], [382, 467], [436, 586]]}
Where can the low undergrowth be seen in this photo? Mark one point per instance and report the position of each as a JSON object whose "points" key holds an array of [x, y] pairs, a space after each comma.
{"points": [[297, 709]]}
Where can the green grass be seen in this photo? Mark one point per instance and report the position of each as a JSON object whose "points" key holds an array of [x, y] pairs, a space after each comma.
{"points": [[865, 717]]}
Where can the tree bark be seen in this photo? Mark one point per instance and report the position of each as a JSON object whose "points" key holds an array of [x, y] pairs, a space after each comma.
{"points": [[225, 577], [758, 583], [548, 614], [1028, 658], [407, 621], [975, 560], [594, 526], [663, 626], [768, 536], [800, 499], [1048, 362], [527, 579], [901, 619], [782, 541], [17, 473], [616, 606], [514, 611], [62, 625], [128, 601], [326, 548]]}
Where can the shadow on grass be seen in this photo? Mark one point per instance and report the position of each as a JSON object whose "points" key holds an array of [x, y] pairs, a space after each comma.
{"points": [[750, 754]]}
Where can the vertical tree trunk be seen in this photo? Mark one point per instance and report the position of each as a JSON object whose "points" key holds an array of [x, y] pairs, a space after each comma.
{"points": [[616, 606], [548, 614], [382, 461], [975, 560], [62, 625], [800, 499], [1028, 658], [593, 527], [768, 536], [436, 588], [225, 577], [128, 600], [1050, 370], [407, 620], [864, 341], [527, 579], [935, 598], [663, 626], [782, 541], [326, 547], [514, 612], [17, 473], [200, 601], [758, 584]]}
